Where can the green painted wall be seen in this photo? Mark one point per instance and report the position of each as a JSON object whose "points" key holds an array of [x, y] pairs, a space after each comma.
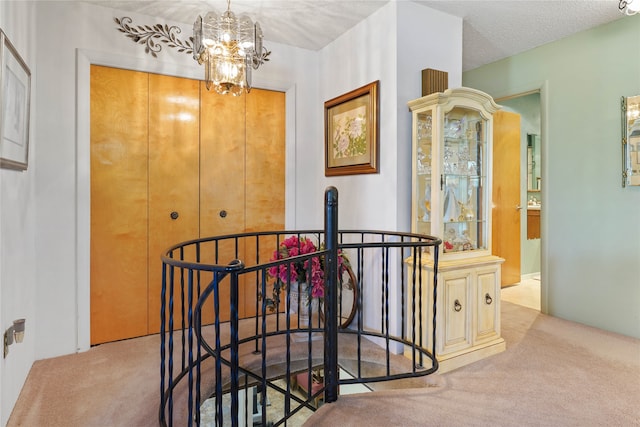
{"points": [[590, 258]]}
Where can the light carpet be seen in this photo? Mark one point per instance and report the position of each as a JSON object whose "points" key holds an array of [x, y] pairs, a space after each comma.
{"points": [[553, 373]]}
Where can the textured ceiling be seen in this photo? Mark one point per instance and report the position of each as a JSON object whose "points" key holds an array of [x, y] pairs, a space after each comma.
{"points": [[492, 29]]}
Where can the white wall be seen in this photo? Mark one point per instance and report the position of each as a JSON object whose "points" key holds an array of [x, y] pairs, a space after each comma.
{"points": [[17, 227], [389, 46], [417, 26]]}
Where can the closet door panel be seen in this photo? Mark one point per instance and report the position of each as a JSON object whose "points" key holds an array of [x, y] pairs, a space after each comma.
{"points": [[118, 204], [174, 185], [265, 176], [222, 179]]}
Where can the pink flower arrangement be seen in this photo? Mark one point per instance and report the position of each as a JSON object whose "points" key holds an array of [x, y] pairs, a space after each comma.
{"points": [[297, 271]]}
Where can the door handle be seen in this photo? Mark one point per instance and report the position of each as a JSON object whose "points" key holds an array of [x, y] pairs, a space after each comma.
{"points": [[518, 207]]}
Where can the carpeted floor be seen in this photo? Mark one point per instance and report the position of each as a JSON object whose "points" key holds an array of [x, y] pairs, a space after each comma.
{"points": [[553, 373]]}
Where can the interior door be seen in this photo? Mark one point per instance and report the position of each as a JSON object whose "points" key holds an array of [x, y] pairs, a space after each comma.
{"points": [[506, 211]]}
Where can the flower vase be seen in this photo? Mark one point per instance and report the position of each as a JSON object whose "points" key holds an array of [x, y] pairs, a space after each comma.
{"points": [[302, 304], [299, 301], [304, 317]]}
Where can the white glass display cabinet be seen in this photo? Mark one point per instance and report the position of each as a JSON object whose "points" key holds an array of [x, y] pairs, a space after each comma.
{"points": [[451, 184]]}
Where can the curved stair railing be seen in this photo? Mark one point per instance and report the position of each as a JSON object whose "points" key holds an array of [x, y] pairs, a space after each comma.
{"points": [[230, 338]]}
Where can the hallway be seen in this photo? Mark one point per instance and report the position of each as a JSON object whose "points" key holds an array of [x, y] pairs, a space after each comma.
{"points": [[525, 293]]}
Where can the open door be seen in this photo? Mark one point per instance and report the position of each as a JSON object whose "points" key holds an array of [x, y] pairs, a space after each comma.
{"points": [[506, 211]]}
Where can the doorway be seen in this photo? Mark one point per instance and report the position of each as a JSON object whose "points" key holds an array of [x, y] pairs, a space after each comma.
{"points": [[506, 215], [528, 105]]}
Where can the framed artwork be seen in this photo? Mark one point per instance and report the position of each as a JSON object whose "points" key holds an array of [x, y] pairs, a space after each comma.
{"points": [[351, 132], [630, 140], [15, 96]]}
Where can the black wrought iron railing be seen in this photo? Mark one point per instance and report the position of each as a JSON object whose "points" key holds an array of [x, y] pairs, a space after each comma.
{"points": [[234, 338]]}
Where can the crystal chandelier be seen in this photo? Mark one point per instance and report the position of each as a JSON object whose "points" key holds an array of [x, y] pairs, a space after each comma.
{"points": [[629, 7], [229, 47]]}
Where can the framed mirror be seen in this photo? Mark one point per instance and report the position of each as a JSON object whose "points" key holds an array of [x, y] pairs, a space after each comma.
{"points": [[630, 140], [533, 162]]}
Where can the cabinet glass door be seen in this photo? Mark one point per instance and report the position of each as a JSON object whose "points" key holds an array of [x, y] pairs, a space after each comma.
{"points": [[424, 151], [463, 180]]}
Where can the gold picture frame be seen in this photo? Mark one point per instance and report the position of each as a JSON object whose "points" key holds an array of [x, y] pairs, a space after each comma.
{"points": [[15, 100], [351, 132]]}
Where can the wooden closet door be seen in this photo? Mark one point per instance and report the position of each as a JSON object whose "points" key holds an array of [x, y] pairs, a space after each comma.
{"points": [[265, 158], [119, 156], [174, 187], [161, 145], [265, 178], [222, 180], [242, 175]]}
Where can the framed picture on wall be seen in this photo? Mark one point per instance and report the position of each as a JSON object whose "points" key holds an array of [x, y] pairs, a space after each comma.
{"points": [[15, 96], [630, 140], [351, 132]]}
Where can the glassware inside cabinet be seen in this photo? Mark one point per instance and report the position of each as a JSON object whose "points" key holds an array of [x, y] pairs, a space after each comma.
{"points": [[424, 151], [463, 181], [451, 181], [464, 223]]}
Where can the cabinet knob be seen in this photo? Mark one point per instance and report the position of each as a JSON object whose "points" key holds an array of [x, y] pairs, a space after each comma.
{"points": [[223, 213], [487, 299], [457, 306], [174, 215]]}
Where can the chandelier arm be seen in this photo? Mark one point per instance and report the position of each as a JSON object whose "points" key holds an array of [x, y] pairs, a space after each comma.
{"points": [[151, 35]]}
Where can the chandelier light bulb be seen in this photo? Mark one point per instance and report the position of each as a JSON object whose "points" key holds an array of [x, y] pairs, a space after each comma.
{"points": [[229, 70]]}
